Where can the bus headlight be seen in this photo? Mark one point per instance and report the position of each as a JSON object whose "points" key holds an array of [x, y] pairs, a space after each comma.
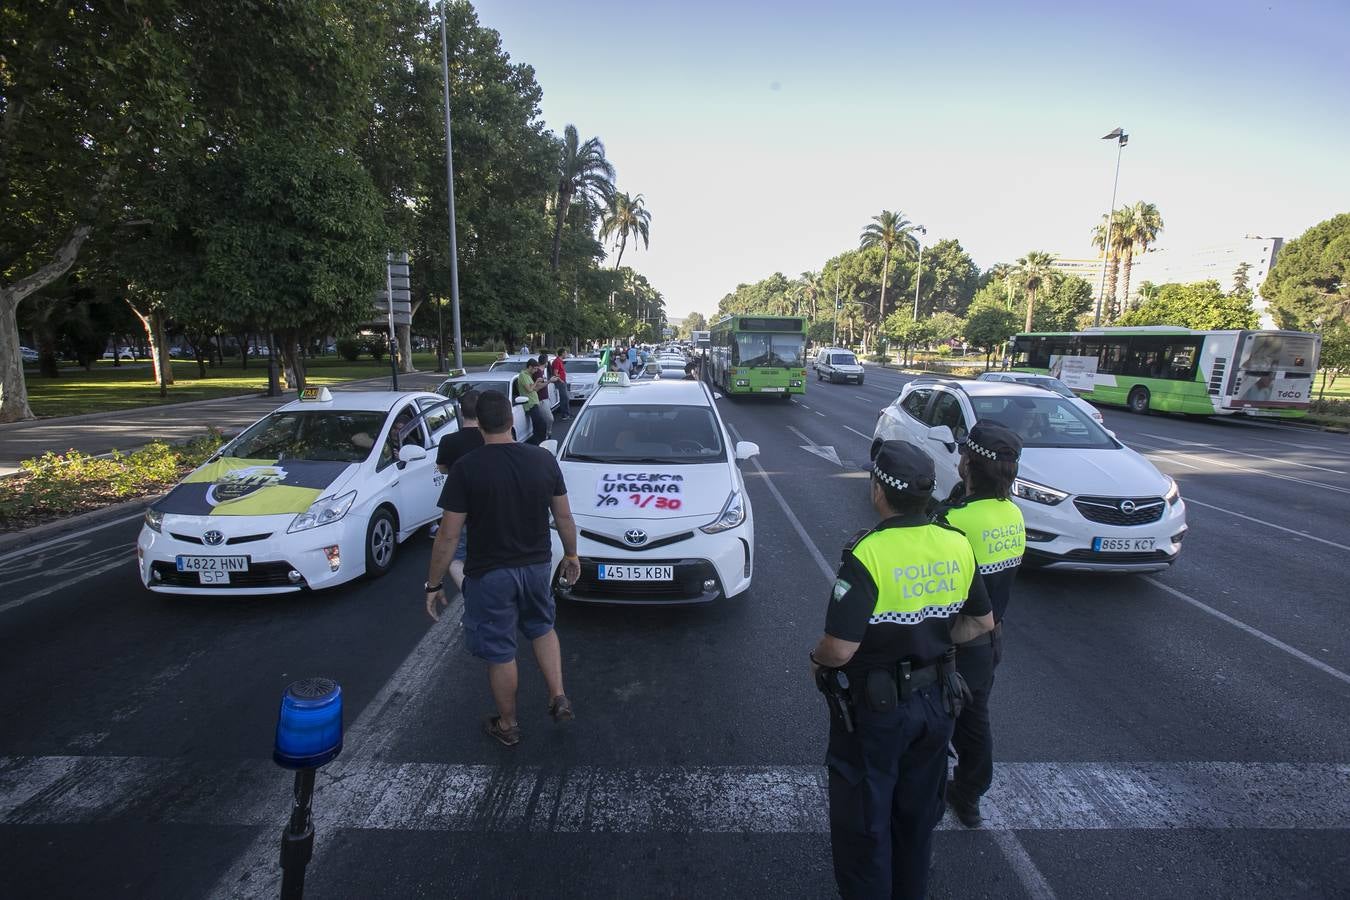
{"points": [[732, 515], [794, 384], [1037, 493], [742, 382]]}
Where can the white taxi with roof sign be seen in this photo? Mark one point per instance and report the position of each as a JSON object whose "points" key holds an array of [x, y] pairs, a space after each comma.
{"points": [[316, 493], [661, 508]]}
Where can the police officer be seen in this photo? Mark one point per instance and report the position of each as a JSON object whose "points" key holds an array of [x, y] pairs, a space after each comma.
{"points": [[907, 589], [981, 507]]}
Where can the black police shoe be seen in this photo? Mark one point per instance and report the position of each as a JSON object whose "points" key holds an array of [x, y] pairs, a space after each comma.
{"points": [[967, 808]]}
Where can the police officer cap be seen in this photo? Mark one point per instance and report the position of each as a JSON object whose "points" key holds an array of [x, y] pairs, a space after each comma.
{"points": [[993, 442], [904, 467]]}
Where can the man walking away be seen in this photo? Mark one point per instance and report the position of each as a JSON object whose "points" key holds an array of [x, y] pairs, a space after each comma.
{"points": [[559, 379], [507, 490], [452, 447], [528, 383]]}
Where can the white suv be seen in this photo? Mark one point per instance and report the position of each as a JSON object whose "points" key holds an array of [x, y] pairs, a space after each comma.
{"points": [[838, 365], [1091, 504]]}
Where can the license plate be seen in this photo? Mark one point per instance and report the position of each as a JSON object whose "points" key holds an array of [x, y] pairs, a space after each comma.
{"points": [[1123, 545], [772, 390], [206, 564], [610, 572]]}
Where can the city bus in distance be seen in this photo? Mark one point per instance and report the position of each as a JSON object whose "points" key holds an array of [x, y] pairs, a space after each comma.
{"points": [[700, 340], [759, 355], [1255, 373]]}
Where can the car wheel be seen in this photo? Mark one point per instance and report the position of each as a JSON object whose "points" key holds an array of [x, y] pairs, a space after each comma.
{"points": [[381, 543], [1138, 400], [819, 377], [860, 381]]}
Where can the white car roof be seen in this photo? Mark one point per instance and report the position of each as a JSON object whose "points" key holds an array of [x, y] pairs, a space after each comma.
{"points": [[984, 388], [495, 375], [664, 391], [370, 401]]}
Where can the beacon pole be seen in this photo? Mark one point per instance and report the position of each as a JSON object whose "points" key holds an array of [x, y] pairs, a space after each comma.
{"points": [[309, 735]]}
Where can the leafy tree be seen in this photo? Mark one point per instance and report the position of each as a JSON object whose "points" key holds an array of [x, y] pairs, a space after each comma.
{"points": [[583, 174], [950, 279], [1335, 357], [903, 329], [1242, 277], [1034, 270], [1060, 306], [695, 321], [944, 326], [1309, 285], [1139, 226], [989, 326], [889, 231], [626, 217], [1201, 305]]}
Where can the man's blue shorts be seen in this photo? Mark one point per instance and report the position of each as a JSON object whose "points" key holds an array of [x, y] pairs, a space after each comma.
{"points": [[502, 601]]}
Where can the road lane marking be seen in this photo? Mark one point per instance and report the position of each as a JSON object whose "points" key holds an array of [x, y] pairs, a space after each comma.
{"points": [[793, 799], [128, 562], [865, 437], [821, 414], [1302, 534], [1330, 451], [1221, 449], [1033, 882], [787, 511], [1254, 632], [1215, 462], [68, 536], [394, 711], [824, 451], [1168, 459]]}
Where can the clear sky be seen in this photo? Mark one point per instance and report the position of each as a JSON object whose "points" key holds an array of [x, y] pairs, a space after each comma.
{"points": [[765, 135]]}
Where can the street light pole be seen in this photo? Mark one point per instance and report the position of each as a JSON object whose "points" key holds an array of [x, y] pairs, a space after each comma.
{"points": [[450, 200], [919, 277], [1121, 139]]}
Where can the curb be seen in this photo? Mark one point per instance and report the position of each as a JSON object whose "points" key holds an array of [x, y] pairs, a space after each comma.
{"points": [[49, 530]]}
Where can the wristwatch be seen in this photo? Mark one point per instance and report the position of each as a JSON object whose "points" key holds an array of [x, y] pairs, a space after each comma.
{"points": [[433, 588]]}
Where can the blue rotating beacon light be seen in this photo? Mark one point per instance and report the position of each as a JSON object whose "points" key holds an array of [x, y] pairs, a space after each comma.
{"points": [[309, 734]]}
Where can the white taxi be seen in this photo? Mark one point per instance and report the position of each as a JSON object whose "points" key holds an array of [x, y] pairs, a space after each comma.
{"points": [[317, 493], [660, 505], [1090, 503], [503, 381]]}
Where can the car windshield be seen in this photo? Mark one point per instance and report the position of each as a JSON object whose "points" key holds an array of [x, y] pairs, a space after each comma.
{"points": [[1050, 384], [331, 435], [582, 366], [456, 389], [1048, 421], [646, 433], [843, 359], [769, 350]]}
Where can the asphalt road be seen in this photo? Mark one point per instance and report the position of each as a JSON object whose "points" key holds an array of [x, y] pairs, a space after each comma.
{"points": [[1182, 735]]}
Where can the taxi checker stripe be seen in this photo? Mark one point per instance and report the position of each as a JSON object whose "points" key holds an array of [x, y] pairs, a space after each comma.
{"points": [[914, 618], [999, 566]]}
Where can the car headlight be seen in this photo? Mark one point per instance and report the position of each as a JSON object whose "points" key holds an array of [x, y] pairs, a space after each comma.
{"points": [[323, 511], [732, 515], [1173, 494], [1037, 493], [154, 520]]}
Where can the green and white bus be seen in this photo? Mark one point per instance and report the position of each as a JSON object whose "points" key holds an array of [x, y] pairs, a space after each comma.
{"points": [[1255, 373], [759, 355]]}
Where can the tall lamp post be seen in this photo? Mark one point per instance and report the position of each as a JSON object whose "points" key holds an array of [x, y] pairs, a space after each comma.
{"points": [[919, 277], [1121, 139], [450, 200]]}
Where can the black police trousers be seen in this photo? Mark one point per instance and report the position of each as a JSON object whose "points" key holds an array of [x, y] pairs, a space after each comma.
{"points": [[886, 796], [973, 740]]}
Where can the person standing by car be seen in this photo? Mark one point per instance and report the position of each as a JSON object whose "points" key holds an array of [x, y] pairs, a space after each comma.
{"points": [[452, 447], [559, 380], [507, 490], [906, 590], [981, 508], [528, 383], [542, 376]]}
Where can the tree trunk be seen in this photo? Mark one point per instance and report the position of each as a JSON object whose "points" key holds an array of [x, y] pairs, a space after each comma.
{"points": [[885, 272], [564, 201], [242, 338], [1031, 304], [623, 241], [293, 363], [1125, 288], [161, 366], [1112, 275], [404, 335]]}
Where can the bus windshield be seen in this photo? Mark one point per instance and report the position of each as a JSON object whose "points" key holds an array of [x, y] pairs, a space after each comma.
{"points": [[761, 350]]}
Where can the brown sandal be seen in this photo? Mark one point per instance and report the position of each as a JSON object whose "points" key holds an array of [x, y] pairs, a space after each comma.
{"points": [[507, 737], [561, 709]]}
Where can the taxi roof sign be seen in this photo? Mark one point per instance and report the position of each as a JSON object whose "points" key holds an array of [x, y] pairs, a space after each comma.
{"points": [[457, 373], [315, 394], [614, 379]]}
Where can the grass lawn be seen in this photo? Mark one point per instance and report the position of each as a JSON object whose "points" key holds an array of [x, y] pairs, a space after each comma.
{"points": [[108, 387]]}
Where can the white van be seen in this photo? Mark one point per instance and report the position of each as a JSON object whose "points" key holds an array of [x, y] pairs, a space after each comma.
{"points": [[838, 365]]}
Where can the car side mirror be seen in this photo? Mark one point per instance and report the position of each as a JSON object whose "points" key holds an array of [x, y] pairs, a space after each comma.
{"points": [[550, 445], [411, 453], [746, 449], [943, 435], [520, 401]]}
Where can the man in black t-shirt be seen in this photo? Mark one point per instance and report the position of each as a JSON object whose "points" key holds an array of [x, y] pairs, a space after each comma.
{"points": [[508, 490], [451, 448]]}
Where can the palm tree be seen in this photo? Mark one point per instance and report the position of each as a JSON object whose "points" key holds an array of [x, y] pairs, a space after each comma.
{"points": [[1004, 272], [888, 231], [1119, 221], [626, 217], [583, 174], [1139, 228], [1034, 269], [812, 289]]}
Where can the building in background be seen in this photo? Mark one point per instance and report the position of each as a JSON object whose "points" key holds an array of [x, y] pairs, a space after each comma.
{"points": [[1166, 265]]}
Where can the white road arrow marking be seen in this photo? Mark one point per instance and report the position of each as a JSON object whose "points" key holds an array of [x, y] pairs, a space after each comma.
{"points": [[824, 451]]}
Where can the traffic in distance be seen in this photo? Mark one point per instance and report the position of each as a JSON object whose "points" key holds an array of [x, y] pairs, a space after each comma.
{"points": [[325, 488]]}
